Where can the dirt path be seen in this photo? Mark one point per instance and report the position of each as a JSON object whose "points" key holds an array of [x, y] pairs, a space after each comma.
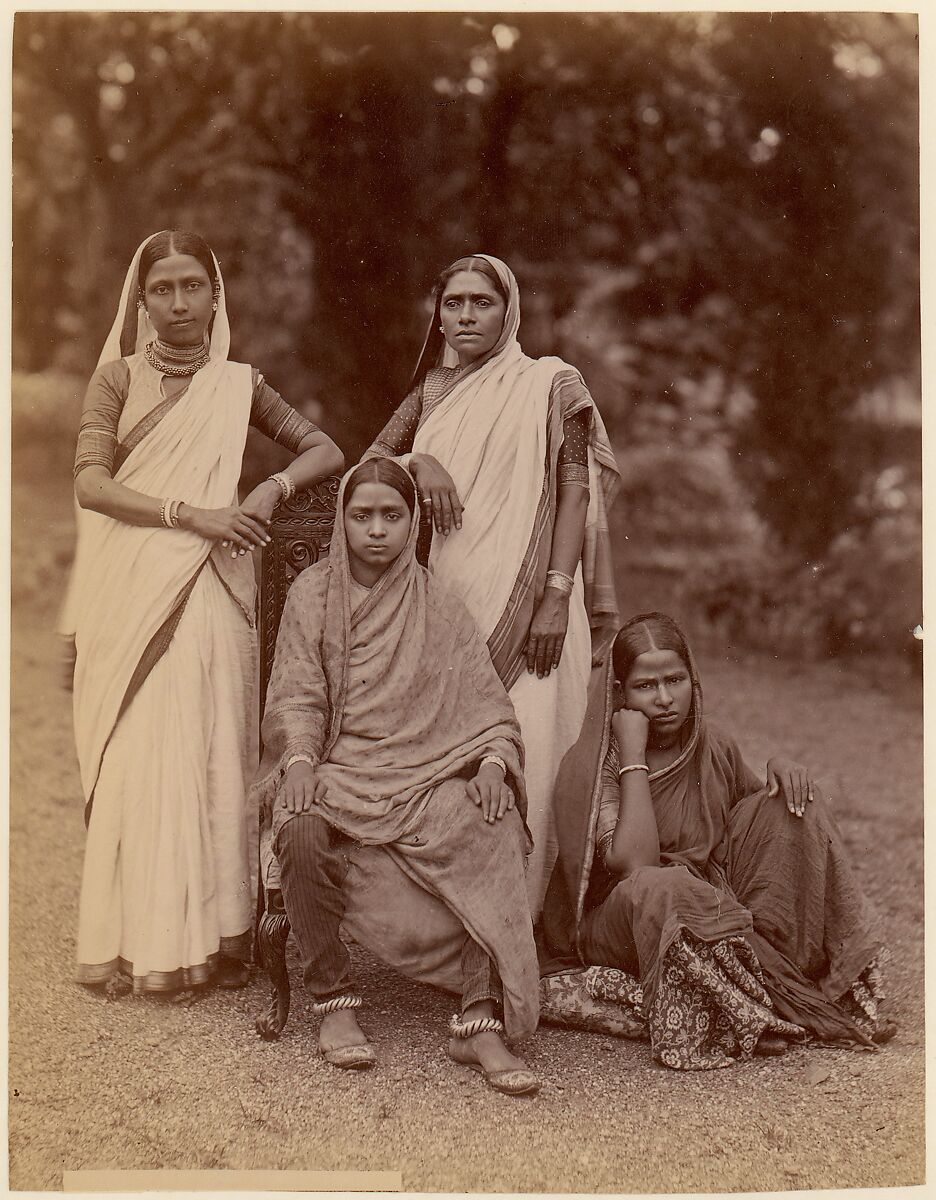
{"points": [[148, 1084]]}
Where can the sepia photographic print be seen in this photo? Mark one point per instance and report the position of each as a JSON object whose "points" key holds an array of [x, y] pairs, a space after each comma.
{"points": [[466, 662]]}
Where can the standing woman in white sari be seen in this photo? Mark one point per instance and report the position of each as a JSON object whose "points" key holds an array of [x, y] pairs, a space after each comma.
{"points": [[511, 456], [162, 609]]}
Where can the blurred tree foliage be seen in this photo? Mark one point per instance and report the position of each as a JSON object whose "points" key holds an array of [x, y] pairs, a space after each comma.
{"points": [[714, 216]]}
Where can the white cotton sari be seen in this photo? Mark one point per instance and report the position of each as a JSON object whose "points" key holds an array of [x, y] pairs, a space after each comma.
{"points": [[165, 686], [497, 435]]}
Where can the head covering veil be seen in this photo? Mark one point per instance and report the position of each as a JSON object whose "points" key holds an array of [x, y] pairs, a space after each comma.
{"points": [[392, 694], [498, 427], [129, 582], [436, 352], [132, 329]]}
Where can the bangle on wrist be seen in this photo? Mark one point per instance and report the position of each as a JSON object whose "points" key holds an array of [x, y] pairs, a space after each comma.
{"points": [[294, 758], [633, 767], [286, 484], [496, 759], [560, 581], [169, 513]]}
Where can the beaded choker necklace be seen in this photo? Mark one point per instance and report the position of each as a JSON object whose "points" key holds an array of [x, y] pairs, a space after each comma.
{"points": [[176, 360]]}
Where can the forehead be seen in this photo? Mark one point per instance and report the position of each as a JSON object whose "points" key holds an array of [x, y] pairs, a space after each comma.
{"points": [[376, 495], [656, 662], [176, 266], [471, 283]]}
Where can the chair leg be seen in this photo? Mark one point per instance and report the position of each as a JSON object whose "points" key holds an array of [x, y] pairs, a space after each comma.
{"points": [[272, 935]]}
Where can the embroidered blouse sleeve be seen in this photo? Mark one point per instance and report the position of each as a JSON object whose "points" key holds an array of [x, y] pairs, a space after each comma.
{"points": [[570, 392], [610, 803], [397, 435], [100, 414], [279, 421]]}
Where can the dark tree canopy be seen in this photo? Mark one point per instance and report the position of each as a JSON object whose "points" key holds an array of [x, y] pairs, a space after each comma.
{"points": [[714, 216]]}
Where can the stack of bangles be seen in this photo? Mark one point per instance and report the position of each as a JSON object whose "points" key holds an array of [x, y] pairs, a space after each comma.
{"points": [[560, 581], [633, 767], [287, 484], [169, 513]]}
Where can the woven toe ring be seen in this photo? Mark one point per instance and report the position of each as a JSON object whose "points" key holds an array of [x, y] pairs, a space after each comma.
{"points": [[466, 1029], [322, 1008]]}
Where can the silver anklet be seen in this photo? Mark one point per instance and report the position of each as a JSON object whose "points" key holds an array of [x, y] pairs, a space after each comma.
{"points": [[322, 1008], [467, 1029]]}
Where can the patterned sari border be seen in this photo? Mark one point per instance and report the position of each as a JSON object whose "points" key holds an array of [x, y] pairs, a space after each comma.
{"points": [[156, 647], [505, 646], [160, 982], [143, 428]]}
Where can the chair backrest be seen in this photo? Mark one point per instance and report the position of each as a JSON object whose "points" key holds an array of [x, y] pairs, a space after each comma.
{"points": [[301, 531]]}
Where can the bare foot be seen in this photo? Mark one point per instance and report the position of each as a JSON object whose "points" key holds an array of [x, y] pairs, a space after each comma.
{"points": [[340, 1029], [487, 1050], [487, 1054]]}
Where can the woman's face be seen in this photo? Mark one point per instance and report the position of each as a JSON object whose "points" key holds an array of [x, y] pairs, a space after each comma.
{"points": [[658, 685], [178, 298], [472, 312], [377, 524]]}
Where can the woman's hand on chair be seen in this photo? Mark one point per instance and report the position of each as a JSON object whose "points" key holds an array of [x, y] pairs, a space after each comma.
{"points": [[301, 788], [547, 633], [262, 501], [489, 791], [230, 526], [437, 492], [790, 781]]}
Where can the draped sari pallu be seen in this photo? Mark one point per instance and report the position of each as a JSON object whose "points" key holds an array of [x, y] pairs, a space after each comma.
{"points": [[395, 699], [194, 449], [497, 428], [753, 923], [165, 680]]}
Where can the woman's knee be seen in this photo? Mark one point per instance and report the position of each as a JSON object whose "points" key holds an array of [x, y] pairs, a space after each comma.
{"points": [[301, 838]]}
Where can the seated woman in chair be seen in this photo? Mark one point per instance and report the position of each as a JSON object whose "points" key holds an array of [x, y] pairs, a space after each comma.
{"points": [[730, 903], [392, 749]]}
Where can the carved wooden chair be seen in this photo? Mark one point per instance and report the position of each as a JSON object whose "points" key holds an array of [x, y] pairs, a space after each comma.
{"points": [[301, 533]]}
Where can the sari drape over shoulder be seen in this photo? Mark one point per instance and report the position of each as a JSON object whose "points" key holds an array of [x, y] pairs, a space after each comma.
{"points": [[753, 922], [497, 427], [165, 677], [164, 681], [395, 699]]}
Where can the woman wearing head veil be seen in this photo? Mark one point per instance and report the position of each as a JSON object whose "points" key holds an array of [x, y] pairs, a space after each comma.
{"points": [[511, 456], [724, 905], [392, 788], [161, 606]]}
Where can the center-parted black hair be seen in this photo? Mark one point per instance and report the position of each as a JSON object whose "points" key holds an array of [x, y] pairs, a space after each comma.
{"points": [[469, 263], [382, 470], [175, 241], [643, 633], [434, 339]]}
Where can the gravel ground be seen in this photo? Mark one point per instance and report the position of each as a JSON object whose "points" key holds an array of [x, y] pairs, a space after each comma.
{"points": [[144, 1083]]}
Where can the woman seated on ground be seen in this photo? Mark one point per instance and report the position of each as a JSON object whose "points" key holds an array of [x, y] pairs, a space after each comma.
{"points": [[387, 728], [731, 902]]}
